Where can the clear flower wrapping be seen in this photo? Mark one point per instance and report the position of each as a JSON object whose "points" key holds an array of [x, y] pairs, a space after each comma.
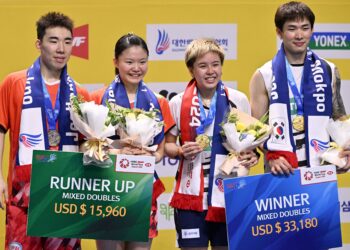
{"points": [[91, 120], [137, 127], [339, 131], [242, 132]]}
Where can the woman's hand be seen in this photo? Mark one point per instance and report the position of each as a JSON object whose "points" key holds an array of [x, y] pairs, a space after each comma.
{"points": [[130, 150], [190, 150], [248, 158]]}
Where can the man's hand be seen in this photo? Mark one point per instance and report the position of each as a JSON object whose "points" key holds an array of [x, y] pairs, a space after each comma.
{"points": [[342, 154], [3, 193], [281, 166]]}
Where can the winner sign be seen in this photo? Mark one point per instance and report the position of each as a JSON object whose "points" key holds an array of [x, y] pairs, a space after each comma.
{"points": [[300, 211]]}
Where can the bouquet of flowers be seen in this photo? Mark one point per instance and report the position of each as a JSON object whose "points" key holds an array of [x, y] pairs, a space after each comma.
{"points": [[96, 123], [242, 132], [136, 127], [339, 130]]}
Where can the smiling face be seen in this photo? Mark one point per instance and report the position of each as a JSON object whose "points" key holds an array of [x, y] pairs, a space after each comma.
{"points": [[296, 36], [132, 65], [55, 49], [207, 71]]}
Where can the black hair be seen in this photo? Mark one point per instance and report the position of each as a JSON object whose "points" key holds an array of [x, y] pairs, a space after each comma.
{"points": [[126, 42], [51, 20], [293, 11]]}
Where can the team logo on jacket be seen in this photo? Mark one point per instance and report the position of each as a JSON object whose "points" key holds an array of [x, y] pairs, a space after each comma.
{"points": [[318, 145], [29, 140], [163, 42]]}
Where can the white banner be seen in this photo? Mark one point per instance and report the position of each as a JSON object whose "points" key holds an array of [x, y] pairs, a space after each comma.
{"points": [[169, 41]]}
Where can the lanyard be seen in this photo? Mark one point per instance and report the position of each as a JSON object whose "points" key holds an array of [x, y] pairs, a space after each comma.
{"points": [[293, 86], [51, 113], [206, 120]]}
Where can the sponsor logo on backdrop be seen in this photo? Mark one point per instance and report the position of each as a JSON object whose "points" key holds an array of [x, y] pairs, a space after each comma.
{"points": [[169, 41], [81, 42], [163, 42], [344, 201], [345, 206], [330, 40], [165, 212]]}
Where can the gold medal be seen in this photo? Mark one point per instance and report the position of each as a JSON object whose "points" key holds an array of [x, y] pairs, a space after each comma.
{"points": [[54, 138], [203, 141], [298, 123]]}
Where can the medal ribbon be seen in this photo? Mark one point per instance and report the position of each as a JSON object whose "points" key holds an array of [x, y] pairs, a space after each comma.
{"points": [[293, 86], [206, 120], [51, 113], [67, 133]]}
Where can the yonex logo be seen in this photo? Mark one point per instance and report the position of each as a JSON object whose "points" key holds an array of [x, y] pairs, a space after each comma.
{"points": [[330, 40]]}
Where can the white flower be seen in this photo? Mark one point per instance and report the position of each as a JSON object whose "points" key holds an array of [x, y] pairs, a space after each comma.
{"points": [[241, 133], [138, 127], [339, 131], [331, 156], [89, 119]]}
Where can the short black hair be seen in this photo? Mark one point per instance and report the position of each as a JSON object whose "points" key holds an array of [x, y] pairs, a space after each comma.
{"points": [[293, 11], [51, 20]]}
